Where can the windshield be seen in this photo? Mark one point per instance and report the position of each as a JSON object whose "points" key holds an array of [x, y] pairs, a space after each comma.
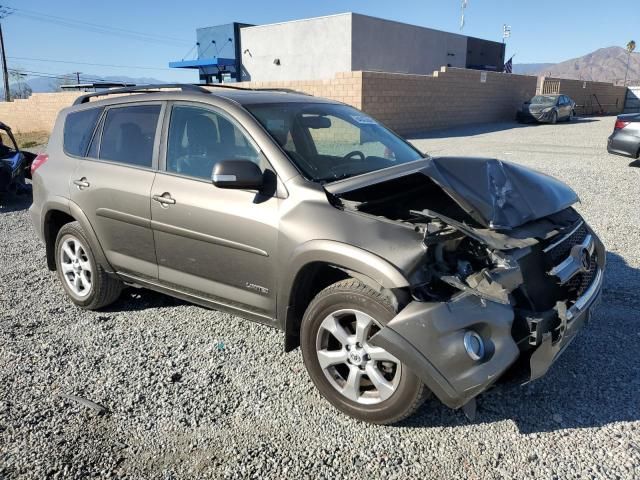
{"points": [[330, 142], [544, 100]]}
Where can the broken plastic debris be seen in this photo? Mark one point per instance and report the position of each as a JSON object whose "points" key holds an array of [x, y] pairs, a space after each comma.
{"points": [[83, 401]]}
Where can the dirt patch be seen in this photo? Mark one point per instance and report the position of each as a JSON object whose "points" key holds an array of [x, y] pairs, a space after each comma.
{"points": [[31, 139]]}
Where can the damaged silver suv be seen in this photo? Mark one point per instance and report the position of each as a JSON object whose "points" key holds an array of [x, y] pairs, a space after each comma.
{"points": [[398, 274]]}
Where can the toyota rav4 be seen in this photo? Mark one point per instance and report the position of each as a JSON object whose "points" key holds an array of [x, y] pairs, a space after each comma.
{"points": [[398, 274]]}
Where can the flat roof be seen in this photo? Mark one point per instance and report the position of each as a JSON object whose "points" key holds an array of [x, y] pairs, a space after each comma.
{"points": [[364, 16]]}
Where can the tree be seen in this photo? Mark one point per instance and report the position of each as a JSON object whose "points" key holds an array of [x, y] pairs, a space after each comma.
{"points": [[19, 88], [631, 46]]}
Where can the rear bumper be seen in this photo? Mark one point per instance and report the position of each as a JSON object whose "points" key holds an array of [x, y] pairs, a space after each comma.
{"points": [[429, 339], [624, 145]]}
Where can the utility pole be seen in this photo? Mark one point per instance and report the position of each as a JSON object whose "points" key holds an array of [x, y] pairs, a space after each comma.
{"points": [[5, 71], [77, 77]]}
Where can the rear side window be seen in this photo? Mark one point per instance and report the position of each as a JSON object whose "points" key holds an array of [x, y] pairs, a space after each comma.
{"points": [[128, 135], [78, 128]]}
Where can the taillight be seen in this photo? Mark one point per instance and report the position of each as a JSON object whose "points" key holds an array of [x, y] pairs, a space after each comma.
{"points": [[620, 125], [38, 162]]}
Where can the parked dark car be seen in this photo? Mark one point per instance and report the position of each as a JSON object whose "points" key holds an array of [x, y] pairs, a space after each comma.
{"points": [[547, 109], [15, 164], [398, 274], [625, 139]]}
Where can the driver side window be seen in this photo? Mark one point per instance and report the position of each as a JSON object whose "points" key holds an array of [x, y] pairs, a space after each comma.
{"points": [[199, 138]]}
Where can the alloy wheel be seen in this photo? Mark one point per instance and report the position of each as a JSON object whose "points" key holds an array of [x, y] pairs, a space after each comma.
{"points": [[361, 372], [76, 266]]}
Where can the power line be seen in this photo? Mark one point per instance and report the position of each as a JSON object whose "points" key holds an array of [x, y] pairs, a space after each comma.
{"points": [[87, 63], [66, 76], [94, 27]]}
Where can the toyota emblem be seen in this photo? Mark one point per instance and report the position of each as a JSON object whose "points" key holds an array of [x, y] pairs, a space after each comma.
{"points": [[585, 259]]}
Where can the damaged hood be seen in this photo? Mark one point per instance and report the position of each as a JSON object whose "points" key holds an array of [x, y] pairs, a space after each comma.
{"points": [[496, 194]]}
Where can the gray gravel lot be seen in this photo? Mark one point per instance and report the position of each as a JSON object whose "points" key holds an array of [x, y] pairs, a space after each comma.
{"points": [[191, 392]]}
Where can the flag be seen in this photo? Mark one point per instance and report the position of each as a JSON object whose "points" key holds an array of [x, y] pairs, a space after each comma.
{"points": [[508, 67], [464, 5]]}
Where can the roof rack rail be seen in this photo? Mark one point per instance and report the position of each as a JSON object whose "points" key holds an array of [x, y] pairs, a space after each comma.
{"points": [[185, 87], [265, 89], [222, 85]]}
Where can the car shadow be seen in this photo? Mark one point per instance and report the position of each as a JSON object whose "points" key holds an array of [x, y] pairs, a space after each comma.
{"points": [[635, 164], [594, 383], [483, 128], [467, 130], [137, 299], [14, 202]]}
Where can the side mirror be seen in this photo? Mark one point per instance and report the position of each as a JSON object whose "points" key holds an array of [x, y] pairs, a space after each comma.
{"points": [[239, 174]]}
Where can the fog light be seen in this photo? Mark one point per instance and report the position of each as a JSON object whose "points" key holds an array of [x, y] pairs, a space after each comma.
{"points": [[474, 345]]}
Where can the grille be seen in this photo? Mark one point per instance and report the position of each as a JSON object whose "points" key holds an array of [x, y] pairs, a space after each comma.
{"points": [[581, 281], [562, 250]]}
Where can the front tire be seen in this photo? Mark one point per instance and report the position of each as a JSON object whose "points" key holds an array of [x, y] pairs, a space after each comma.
{"points": [[85, 282], [364, 381], [554, 118]]}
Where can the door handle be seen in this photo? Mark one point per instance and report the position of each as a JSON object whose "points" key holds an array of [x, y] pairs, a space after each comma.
{"points": [[164, 199], [82, 183]]}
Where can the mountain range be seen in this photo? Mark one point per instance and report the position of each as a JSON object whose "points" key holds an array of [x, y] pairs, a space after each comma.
{"points": [[41, 84], [604, 65]]}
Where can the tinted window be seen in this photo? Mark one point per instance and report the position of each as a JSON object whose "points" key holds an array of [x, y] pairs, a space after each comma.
{"points": [[128, 135], [199, 138], [78, 128]]}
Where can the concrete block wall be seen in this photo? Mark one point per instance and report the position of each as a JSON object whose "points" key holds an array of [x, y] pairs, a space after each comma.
{"points": [[590, 97], [346, 87], [406, 103], [37, 113], [451, 97]]}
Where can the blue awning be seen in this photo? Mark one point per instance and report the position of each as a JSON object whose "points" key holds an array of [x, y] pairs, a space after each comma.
{"points": [[204, 62]]}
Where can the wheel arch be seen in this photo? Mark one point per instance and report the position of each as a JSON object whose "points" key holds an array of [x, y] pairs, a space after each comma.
{"points": [[59, 214], [317, 264]]}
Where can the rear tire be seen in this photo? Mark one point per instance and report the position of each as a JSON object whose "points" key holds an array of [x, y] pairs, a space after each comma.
{"points": [[85, 282], [361, 380]]}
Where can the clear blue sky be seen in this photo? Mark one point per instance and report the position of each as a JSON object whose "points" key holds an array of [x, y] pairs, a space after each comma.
{"points": [[542, 30]]}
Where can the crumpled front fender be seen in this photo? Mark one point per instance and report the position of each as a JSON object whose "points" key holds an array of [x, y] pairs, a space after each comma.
{"points": [[428, 337]]}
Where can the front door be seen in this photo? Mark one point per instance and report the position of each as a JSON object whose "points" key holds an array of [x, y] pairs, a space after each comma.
{"points": [[112, 185], [564, 108], [215, 243]]}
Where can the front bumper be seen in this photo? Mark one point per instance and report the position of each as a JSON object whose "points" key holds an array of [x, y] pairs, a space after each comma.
{"points": [[575, 318], [527, 116], [429, 339]]}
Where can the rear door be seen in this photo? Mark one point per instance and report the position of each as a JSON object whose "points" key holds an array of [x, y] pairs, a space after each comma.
{"points": [[219, 244], [112, 185]]}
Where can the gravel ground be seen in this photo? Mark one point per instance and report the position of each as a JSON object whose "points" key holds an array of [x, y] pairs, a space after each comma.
{"points": [[193, 393]]}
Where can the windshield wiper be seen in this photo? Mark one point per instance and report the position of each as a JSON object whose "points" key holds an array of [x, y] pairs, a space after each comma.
{"points": [[335, 178]]}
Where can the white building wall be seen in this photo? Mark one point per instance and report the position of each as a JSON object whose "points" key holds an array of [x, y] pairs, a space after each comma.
{"points": [[387, 46], [311, 49]]}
